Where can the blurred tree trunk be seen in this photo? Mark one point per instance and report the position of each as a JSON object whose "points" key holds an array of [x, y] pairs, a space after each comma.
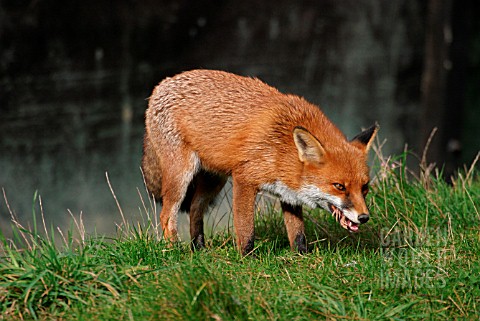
{"points": [[434, 79]]}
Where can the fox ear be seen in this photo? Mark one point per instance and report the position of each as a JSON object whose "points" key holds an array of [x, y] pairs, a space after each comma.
{"points": [[309, 148], [364, 140]]}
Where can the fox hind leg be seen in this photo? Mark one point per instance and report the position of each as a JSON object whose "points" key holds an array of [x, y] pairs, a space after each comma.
{"points": [[175, 181], [206, 188]]}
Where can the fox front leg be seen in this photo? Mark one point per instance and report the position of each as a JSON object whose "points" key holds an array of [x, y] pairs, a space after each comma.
{"points": [[293, 218], [243, 215]]}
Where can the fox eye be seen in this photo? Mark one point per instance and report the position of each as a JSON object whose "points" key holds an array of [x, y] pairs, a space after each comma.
{"points": [[365, 189], [339, 186]]}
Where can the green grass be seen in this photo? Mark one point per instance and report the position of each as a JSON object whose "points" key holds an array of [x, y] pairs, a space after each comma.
{"points": [[417, 259]]}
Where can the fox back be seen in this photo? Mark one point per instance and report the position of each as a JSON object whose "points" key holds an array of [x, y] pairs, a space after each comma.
{"points": [[204, 125]]}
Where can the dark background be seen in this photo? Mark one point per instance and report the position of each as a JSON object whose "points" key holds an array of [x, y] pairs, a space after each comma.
{"points": [[75, 76]]}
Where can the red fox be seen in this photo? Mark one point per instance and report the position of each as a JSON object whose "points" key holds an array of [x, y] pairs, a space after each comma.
{"points": [[203, 125]]}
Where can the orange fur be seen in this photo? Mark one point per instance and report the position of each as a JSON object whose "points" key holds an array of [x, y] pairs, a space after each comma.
{"points": [[203, 125]]}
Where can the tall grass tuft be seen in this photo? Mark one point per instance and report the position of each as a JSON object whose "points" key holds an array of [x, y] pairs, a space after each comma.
{"points": [[39, 277]]}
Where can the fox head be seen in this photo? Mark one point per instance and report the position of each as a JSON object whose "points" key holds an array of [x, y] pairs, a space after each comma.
{"points": [[336, 178]]}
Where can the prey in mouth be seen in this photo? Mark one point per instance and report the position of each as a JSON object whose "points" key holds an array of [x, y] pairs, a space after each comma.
{"points": [[342, 219]]}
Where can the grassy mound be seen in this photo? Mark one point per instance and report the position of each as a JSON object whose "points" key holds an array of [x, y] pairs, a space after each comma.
{"points": [[417, 258]]}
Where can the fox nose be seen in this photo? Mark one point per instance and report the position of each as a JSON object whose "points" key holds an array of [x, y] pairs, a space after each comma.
{"points": [[363, 218]]}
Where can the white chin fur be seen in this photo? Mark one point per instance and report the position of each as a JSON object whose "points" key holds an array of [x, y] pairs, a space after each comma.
{"points": [[282, 191], [309, 195]]}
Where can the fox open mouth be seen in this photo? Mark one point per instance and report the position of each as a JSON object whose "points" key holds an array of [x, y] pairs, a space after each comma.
{"points": [[342, 219]]}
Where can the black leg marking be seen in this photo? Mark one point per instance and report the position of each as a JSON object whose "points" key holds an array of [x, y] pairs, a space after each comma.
{"points": [[198, 242], [301, 243], [248, 248]]}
